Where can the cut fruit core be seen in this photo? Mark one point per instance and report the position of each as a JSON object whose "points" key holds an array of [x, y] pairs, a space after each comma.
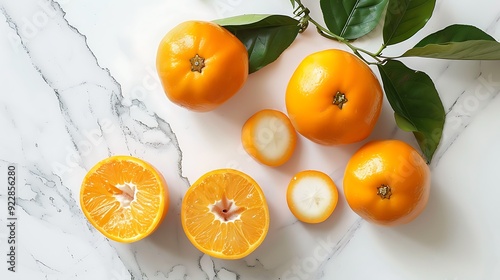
{"points": [[127, 194], [226, 210]]}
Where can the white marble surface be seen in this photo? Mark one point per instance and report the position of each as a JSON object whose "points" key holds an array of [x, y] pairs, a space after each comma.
{"points": [[78, 84]]}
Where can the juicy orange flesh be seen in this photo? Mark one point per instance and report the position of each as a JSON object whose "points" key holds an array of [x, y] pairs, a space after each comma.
{"points": [[112, 183], [236, 235]]}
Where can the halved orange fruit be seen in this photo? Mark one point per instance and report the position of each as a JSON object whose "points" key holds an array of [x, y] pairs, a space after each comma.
{"points": [[225, 214], [124, 197]]}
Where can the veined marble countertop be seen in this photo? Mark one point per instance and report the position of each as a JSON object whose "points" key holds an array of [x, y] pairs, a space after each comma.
{"points": [[78, 84]]}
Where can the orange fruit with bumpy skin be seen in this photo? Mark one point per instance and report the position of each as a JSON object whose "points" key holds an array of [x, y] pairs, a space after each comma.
{"points": [[201, 65], [312, 196], [124, 197], [387, 182], [269, 137], [224, 214], [333, 98]]}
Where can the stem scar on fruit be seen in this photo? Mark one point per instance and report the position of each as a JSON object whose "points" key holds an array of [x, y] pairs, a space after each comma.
{"points": [[197, 63], [384, 192], [339, 99]]}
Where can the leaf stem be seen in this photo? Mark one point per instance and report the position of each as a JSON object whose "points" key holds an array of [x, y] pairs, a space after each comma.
{"points": [[379, 52], [304, 14]]}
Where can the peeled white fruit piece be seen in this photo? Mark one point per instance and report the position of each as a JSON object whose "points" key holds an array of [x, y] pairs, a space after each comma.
{"points": [[312, 196], [269, 137]]}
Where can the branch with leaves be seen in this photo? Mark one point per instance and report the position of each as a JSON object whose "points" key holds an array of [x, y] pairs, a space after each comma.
{"points": [[411, 94]]}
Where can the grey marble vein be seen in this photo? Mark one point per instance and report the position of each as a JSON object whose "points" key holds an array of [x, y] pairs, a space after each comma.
{"points": [[469, 103], [103, 104]]}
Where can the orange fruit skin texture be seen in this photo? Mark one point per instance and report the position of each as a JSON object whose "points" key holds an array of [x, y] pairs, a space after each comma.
{"points": [[249, 138], [225, 240], [311, 91], [224, 73], [393, 163], [103, 211]]}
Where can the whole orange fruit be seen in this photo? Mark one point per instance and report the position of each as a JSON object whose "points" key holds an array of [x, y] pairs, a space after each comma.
{"points": [[333, 97], [201, 65], [387, 182], [225, 214]]}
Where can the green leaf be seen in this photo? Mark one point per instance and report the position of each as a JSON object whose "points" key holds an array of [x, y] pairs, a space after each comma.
{"points": [[266, 37], [352, 19], [243, 20], [455, 33], [404, 18], [416, 104], [461, 42], [404, 123], [468, 50]]}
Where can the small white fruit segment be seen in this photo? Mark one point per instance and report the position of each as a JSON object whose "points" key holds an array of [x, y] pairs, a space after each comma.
{"points": [[312, 196], [269, 137]]}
